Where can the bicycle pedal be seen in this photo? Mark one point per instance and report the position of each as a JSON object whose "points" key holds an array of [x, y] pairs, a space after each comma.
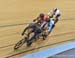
{"points": [[26, 38], [29, 43], [44, 38]]}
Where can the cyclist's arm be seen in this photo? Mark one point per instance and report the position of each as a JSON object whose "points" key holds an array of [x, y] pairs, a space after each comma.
{"points": [[36, 19]]}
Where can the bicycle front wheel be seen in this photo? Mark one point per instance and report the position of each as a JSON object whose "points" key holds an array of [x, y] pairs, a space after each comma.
{"points": [[19, 44]]}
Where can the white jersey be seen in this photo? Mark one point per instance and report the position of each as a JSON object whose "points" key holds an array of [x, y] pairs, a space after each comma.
{"points": [[51, 21], [57, 12]]}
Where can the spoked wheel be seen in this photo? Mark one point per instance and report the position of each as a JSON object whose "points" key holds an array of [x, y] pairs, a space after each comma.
{"points": [[20, 43], [26, 30]]}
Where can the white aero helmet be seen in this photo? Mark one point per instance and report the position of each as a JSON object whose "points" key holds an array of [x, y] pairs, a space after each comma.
{"points": [[55, 9]]}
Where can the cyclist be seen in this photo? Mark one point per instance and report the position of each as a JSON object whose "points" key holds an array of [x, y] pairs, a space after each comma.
{"points": [[42, 19], [56, 14]]}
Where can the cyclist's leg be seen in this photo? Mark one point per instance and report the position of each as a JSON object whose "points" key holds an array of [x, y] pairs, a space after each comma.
{"points": [[43, 25], [36, 32], [57, 18], [50, 27]]}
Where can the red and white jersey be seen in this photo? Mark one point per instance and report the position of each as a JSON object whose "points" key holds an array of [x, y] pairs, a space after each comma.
{"points": [[44, 19]]}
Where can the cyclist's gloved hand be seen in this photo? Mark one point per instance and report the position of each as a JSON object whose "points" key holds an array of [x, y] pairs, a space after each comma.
{"points": [[34, 20], [22, 34]]}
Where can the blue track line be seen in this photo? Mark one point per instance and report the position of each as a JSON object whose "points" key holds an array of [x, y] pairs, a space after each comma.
{"points": [[51, 51]]}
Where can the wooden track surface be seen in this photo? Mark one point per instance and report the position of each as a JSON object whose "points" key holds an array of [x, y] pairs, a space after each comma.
{"points": [[15, 13]]}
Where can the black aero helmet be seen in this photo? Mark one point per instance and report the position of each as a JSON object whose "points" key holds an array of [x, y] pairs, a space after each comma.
{"points": [[41, 15]]}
